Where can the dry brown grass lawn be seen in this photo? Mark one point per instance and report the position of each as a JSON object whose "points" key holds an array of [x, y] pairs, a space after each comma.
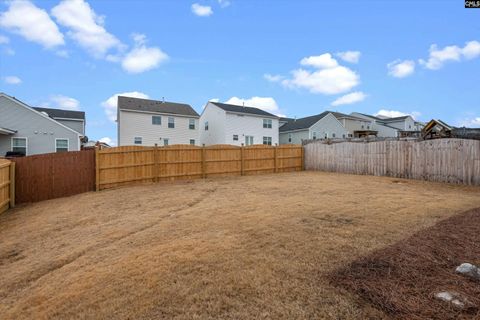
{"points": [[234, 248]]}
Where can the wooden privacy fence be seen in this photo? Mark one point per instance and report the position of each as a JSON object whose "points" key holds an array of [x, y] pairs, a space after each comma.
{"points": [[135, 164], [7, 185], [54, 175], [443, 160]]}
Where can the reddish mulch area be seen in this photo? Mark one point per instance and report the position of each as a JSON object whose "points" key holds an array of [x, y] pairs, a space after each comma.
{"points": [[403, 279]]}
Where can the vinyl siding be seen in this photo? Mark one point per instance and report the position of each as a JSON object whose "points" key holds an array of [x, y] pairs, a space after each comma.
{"points": [[39, 130], [297, 137], [78, 126], [326, 127], [139, 124], [216, 118], [356, 125], [246, 125]]}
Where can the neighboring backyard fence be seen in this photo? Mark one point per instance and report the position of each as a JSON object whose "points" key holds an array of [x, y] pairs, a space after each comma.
{"points": [[444, 160], [54, 175], [7, 185], [135, 164]]}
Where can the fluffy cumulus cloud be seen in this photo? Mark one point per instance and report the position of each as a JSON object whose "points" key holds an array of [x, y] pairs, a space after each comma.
{"points": [[439, 56], [349, 56], [350, 98], [384, 113], [110, 105], [32, 23], [325, 76], [108, 141], [63, 102], [224, 3], [142, 58], [85, 27], [401, 69], [273, 78], [201, 11], [265, 103], [12, 80]]}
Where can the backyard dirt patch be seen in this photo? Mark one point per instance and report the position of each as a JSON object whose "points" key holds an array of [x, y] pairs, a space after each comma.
{"points": [[237, 248], [404, 278]]}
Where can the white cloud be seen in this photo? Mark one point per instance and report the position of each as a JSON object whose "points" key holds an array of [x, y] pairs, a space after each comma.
{"points": [[142, 58], [32, 23], [108, 141], [322, 61], [328, 77], [4, 39], [265, 103], [470, 122], [201, 11], [12, 80], [63, 102], [394, 113], [85, 27], [401, 69], [273, 78], [110, 105], [350, 56], [350, 98], [224, 3], [214, 100], [438, 57]]}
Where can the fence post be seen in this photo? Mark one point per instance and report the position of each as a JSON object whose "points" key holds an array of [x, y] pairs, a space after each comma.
{"points": [[12, 184], [155, 163], [303, 157], [242, 160], [97, 169], [204, 175], [275, 156]]}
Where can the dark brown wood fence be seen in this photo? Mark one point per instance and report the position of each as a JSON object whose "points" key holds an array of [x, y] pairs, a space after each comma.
{"points": [[54, 175]]}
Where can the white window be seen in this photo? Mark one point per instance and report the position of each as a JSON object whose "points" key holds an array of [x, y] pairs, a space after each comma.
{"points": [[248, 140], [314, 135], [19, 145], [289, 137], [165, 142], [235, 137], [267, 123], [137, 140], [206, 125], [267, 141], [61, 145], [156, 120], [171, 122], [192, 142], [333, 135], [191, 124]]}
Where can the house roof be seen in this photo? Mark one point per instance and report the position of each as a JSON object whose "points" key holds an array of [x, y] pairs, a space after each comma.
{"points": [[63, 114], [136, 104], [303, 123], [384, 119], [6, 131], [340, 115], [242, 109]]}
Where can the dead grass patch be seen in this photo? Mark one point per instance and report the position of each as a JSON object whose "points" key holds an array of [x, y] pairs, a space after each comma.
{"points": [[237, 248]]}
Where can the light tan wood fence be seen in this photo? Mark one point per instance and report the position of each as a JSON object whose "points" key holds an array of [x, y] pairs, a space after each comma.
{"points": [[444, 160], [7, 185], [134, 164]]}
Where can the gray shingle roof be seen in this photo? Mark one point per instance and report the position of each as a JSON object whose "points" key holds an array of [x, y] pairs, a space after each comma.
{"points": [[303, 123], [59, 113], [241, 109], [340, 115], [136, 104]]}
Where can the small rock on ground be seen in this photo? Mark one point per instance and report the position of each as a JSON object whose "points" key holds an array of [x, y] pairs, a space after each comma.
{"points": [[469, 270]]}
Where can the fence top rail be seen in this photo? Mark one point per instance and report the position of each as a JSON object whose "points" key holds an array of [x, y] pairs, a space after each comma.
{"points": [[4, 163]]}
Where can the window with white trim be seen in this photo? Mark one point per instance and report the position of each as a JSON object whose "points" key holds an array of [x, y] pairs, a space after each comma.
{"points": [[267, 123], [19, 145], [314, 135], [137, 140], [267, 141], [165, 142], [191, 124], [157, 120], [206, 125], [235, 137], [192, 142], [171, 122], [61, 145]]}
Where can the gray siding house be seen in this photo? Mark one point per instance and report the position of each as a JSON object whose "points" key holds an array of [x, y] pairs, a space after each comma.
{"points": [[73, 119], [24, 129]]}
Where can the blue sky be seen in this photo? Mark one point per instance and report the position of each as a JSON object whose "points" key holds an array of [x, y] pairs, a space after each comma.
{"points": [[294, 58]]}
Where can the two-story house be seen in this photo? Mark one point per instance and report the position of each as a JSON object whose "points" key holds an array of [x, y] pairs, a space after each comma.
{"points": [[73, 119], [222, 123], [26, 131], [147, 122], [392, 127]]}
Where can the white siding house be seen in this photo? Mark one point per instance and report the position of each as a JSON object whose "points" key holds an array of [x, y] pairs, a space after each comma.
{"points": [[231, 124], [148, 122], [25, 130], [320, 126], [392, 127]]}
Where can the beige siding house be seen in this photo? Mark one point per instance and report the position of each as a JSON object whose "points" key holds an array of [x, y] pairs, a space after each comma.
{"points": [[146, 122], [392, 127], [222, 123], [321, 126]]}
